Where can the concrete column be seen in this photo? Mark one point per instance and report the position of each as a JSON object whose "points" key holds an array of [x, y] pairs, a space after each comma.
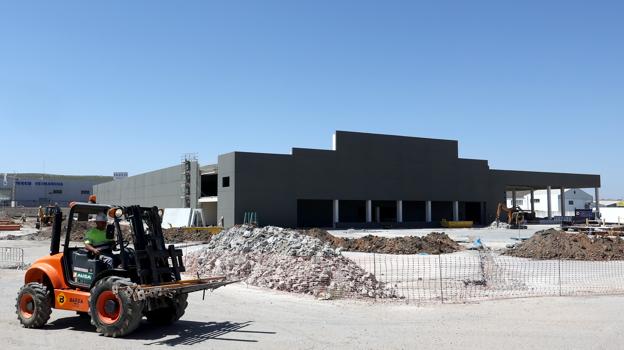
{"points": [[597, 199], [377, 214], [399, 205], [532, 201], [336, 212], [369, 211], [548, 202], [563, 202], [428, 211], [513, 198], [455, 211]]}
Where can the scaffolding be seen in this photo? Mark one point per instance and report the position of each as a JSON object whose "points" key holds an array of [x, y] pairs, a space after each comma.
{"points": [[187, 159]]}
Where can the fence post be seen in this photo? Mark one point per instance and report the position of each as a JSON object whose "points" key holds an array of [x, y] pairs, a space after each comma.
{"points": [[440, 272], [374, 267], [559, 266]]}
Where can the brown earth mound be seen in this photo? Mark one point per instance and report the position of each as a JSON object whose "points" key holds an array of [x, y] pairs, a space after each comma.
{"points": [[555, 244], [77, 234], [176, 235], [433, 243], [172, 235]]}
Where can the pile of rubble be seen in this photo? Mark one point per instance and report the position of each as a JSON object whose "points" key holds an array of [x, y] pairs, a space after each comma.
{"points": [[433, 243], [285, 260], [556, 244], [269, 240]]}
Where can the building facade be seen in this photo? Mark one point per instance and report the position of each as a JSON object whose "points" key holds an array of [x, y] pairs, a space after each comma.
{"points": [[164, 188], [365, 180], [33, 190]]}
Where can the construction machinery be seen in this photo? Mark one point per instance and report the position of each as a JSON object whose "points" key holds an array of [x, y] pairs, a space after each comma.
{"points": [[45, 215], [144, 282], [516, 217]]}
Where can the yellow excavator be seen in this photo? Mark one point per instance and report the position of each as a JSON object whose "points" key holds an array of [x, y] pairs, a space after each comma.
{"points": [[515, 215], [45, 216]]}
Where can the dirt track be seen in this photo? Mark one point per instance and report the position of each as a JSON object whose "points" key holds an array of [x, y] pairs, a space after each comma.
{"points": [[242, 317]]}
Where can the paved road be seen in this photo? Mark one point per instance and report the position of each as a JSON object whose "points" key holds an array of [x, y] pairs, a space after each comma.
{"points": [[236, 317]]}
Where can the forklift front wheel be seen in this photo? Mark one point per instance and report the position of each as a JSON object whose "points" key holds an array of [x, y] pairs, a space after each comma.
{"points": [[113, 315], [33, 305]]}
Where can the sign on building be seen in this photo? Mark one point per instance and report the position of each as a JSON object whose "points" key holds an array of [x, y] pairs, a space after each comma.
{"points": [[118, 175]]}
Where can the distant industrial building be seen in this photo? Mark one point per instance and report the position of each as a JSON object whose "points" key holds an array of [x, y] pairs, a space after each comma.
{"points": [[33, 190], [365, 180], [574, 199]]}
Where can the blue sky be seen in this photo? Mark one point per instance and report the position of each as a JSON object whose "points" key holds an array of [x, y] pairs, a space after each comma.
{"points": [[132, 85]]}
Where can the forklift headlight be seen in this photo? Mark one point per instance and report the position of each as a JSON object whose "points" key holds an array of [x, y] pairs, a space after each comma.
{"points": [[161, 212]]}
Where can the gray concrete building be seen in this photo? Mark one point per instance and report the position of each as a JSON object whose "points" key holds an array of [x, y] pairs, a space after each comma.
{"points": [[33, 190], [163, 188], [365, 180]]}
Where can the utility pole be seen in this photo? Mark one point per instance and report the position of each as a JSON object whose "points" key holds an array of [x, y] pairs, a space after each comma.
{"points": [[13, 201]]}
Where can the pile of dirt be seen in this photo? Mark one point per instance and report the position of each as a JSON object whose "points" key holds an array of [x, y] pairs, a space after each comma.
{"points": [[172, 235], [286, 260], [556, 244], [433, 243], [78, 230], [177, 235]]}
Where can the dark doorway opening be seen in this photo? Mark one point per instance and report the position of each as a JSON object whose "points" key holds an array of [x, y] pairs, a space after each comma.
{"points": [[384, 211], [414, 211], [351, 211], [314, 213], [209, 185], [441, 210], [472, 212]]}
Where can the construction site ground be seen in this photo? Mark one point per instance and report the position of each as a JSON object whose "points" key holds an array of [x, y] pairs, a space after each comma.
{"points": [[242, 317], [493, 237]]}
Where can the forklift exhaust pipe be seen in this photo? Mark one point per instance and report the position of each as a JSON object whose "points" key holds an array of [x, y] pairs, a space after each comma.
{"points": [[55, 243]]}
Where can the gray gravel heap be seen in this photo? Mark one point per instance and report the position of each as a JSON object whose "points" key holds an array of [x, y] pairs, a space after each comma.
{"points": [[285, 260], [269, 240]]}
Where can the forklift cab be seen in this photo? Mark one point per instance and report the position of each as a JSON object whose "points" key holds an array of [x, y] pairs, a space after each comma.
{"points": [[147, 262], [82, 268]]}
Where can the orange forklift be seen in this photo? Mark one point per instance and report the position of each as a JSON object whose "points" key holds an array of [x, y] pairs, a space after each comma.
{"points": [[145, 279]]}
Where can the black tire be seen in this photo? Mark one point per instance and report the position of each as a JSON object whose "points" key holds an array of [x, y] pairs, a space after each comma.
{"points": [[33, 306], [170, 314], [126, 314]]}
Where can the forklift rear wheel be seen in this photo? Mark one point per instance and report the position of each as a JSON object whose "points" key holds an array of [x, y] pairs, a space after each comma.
{"points": [[113, 315], [170, 314], [33, 305]]}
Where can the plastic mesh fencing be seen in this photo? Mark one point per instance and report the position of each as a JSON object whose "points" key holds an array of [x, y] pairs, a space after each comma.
{"points": [[11, 258], [478, 275]]}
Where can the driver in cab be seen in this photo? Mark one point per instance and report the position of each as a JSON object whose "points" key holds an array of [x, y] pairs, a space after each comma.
{"points": [[97, 243]]}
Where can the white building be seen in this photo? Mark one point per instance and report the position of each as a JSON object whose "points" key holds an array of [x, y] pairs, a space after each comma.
{"points": [[573, 198]]}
